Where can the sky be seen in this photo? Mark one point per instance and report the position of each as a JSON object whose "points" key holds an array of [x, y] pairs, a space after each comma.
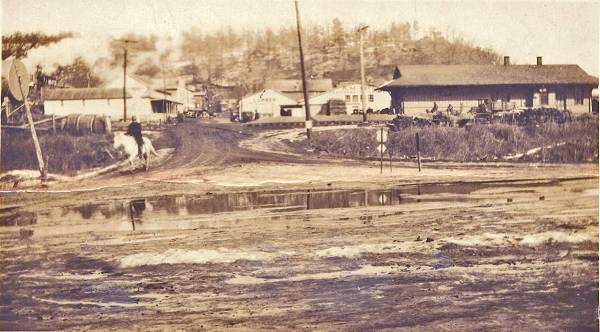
{"points": [[559, 31]]}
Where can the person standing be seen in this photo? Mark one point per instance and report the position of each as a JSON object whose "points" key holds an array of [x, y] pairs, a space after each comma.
{"points": [[135, 129]]}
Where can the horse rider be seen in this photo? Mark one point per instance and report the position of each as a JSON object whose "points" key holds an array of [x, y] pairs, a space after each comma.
{"points": [[135, 129]]}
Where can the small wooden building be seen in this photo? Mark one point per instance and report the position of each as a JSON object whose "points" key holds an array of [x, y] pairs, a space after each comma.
{"points": [[293, 88], [501, 86], [142, 101], [268, 103]]}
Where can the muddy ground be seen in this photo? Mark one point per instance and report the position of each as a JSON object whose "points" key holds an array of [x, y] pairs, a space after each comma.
{"points": [[220, 236]]}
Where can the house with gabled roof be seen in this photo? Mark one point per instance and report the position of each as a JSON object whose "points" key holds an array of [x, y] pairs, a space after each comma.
{"points": [[503, 86], [143, 101], [293, 88]]}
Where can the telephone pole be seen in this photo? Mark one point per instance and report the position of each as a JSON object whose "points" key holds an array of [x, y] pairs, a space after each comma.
{"points": [[125, 84], [126, 42], [308, 124], [363, 99]]}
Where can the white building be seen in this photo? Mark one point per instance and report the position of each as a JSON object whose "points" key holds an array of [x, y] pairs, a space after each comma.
{"points": [[142, 101], [268, 103], [177, 89], [351, 94]]}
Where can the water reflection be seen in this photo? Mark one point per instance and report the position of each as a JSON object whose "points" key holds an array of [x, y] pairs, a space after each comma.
{"points": [[157, 207], [275, 201], [136, 209], [15, 217]]}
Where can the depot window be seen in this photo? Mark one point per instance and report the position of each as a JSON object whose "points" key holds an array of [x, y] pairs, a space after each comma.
{"points": [[355, 98], [371, 98], [347, 97]]}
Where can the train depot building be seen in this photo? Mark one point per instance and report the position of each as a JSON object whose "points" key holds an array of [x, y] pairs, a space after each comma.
{"points": [[501, 87]]}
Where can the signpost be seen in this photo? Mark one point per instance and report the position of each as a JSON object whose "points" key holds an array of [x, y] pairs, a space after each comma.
{"points": [[18, 84], [418, 151], [382, 137]]}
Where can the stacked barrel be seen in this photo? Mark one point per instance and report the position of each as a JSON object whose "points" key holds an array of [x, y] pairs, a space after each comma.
{"points": [[85, 124]]}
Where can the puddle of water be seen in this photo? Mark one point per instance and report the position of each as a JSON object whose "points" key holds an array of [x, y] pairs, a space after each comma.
{"points": [[128, 214], [180, 256], [366, 270]]}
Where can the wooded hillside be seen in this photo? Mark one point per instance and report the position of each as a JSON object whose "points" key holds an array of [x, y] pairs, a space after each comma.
{"points": [[331, 51]]}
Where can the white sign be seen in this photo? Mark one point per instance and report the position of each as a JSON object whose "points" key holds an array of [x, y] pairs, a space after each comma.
{"points": [[308, 124], [381, 148], [18, 80], [382, 136]]}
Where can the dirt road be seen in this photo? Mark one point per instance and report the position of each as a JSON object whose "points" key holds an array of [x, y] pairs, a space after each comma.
{"points": [[222, 237]]}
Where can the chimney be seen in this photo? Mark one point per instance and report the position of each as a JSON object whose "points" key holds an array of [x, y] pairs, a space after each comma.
{"points": [[539, 60], [507, 61]]}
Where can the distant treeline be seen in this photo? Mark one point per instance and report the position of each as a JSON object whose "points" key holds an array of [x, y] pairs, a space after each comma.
{"points": [[332, 51], [249, 58]]}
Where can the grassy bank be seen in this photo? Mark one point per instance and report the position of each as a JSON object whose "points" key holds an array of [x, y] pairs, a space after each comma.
{"points": [[64, 153], [577, 142]]}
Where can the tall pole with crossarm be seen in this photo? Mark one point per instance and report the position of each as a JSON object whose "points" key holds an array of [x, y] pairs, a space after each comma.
{"points": [[304, 86], [363, 99], [126, 42]]}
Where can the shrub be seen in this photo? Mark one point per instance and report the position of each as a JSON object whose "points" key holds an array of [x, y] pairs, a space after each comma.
{"points": [[64, 153], [578, 142]]}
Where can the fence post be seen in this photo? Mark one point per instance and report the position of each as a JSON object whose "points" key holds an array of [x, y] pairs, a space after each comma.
{"points": [[418, 151], [381, 151], [107, 125], [543, 155]]}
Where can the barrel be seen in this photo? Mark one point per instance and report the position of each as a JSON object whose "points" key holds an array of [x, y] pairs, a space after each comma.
{"points": [[86, 124]]}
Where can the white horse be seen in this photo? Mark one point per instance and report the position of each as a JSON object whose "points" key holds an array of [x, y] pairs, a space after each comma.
{"points": [[131, 148]]}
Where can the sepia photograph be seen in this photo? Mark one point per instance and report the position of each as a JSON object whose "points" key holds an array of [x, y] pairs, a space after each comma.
{"points": [[285, 165]]}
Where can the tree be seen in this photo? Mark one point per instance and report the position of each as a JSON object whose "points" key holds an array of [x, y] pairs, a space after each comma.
{"points": [[77, 74], [148, 68], [18, 44], [339, 37], [141, 44]]}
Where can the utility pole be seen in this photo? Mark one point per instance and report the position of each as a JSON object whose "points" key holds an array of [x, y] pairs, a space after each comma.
{"points": [[126, 42], [304, 86], [162, 66], [125, 84], [361, 31]]}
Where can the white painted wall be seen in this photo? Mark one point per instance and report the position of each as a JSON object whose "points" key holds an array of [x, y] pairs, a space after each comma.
{"points": [[352, 96], [267, 103], [113, 108]]}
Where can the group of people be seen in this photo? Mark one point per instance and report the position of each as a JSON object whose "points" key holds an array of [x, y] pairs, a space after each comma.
{"points": [[449, 110]]}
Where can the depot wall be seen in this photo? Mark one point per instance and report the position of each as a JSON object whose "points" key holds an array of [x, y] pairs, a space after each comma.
{"points": [[415, 101]]}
